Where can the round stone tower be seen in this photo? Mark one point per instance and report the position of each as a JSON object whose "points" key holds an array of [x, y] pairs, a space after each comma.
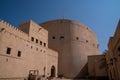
{"points": [[74, 42]]}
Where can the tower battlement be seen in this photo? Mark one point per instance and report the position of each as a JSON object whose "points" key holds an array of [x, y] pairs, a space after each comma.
{"points": [[12, 29], [8, 25]]}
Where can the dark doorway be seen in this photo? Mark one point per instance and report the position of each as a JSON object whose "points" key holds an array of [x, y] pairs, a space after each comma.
{"points": [[53, 71]]}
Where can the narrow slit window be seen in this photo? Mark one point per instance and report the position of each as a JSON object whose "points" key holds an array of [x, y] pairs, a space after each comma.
{"points": [[36, 40], [44, 44], [19, 54]]}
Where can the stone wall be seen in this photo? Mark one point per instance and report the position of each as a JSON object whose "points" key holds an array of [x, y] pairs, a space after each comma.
{"points": [[97, 66], [19, 52], [113, 55], [74, 42]]}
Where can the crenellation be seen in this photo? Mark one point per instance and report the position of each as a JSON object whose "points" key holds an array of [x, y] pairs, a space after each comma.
{"points": [[1, 20], [11, 27], [20, 51]]}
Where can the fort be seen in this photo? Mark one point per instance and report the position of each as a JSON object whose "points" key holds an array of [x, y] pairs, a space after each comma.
{"points": [[23, 50], [57, 48]]}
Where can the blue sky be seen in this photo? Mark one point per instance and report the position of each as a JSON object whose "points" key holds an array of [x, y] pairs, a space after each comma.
{"points": [[100, 15]]}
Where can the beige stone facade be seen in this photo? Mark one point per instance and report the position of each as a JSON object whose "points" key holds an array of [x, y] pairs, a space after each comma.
{"points": [[74, 42], [113, 56], [97, 67], [25, 49], [54, 48]]}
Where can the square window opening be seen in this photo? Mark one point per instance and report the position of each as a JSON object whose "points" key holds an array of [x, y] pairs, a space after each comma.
{"points": [[61, 37], [36, 40], [8, 51], [32, 38], [77, 38], [53, 37], [40, 42]]}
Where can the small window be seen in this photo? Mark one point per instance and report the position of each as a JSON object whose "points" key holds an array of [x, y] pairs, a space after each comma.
{"points": [[77, 38], [41, 50], [44, 51], [19, 54], [119, 49], [32, 38], [40, 42], [36, 40], [44, 44], [86, 41], [61, 37], [36, 49], [53, 37], [8, 51]]}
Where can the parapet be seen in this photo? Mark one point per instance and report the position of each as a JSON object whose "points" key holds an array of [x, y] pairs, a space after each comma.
{"points": [[11, 29], [68, 21], [10, 26]]}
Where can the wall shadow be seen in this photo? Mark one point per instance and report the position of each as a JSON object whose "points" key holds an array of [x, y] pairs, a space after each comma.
{"points": [[83, 73]]}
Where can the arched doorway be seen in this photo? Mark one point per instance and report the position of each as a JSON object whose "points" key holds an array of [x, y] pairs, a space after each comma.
{"points": [[53, 71]]}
